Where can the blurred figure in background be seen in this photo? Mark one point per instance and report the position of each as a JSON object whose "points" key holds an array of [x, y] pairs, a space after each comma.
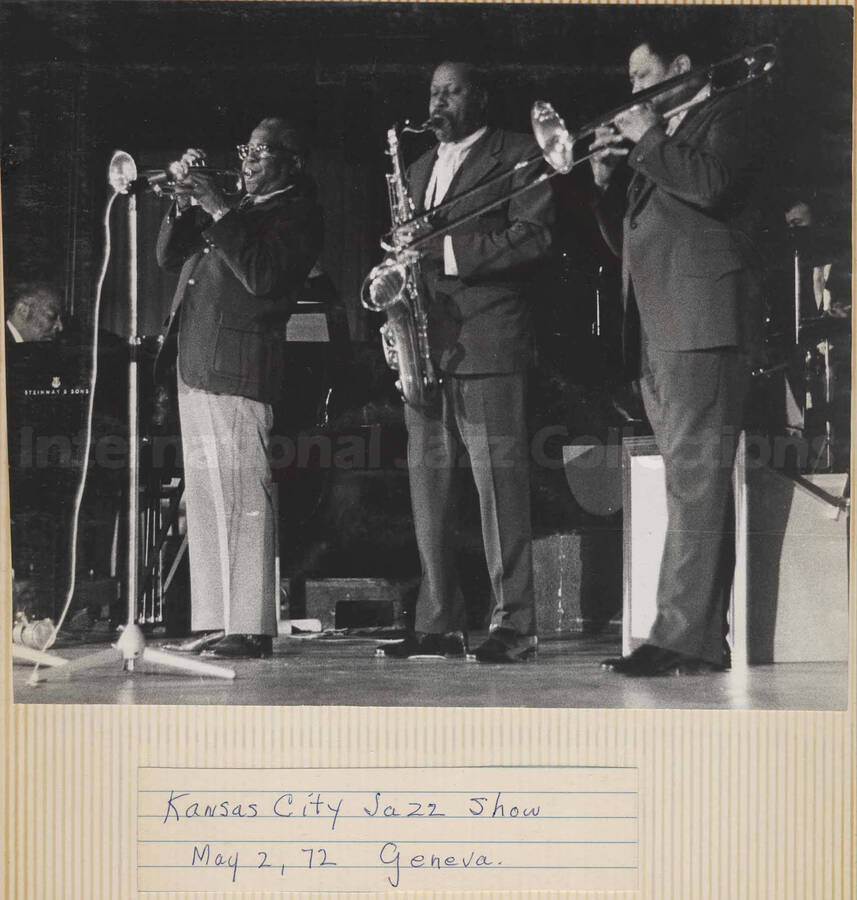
{"points": [[34, 312]]}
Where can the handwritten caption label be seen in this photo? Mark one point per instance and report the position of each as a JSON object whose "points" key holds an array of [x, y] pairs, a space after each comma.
{"points": [[387, 829]]}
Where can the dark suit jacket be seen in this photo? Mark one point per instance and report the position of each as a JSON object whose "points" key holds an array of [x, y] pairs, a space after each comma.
{"points": [[685, 229], [478, 320], [237, 280]]}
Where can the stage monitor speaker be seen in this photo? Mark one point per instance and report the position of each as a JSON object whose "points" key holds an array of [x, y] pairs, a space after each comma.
{"points": [[576, 580], [790, 591], [594, 475]]}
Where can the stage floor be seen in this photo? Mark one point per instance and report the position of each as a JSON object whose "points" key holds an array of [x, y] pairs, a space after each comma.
{"points": [[343, 671]]}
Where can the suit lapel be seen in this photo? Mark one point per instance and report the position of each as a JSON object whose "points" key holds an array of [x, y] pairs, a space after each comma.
{"points": [[478, 165], [640, 186], [181, 287], [419, 178]]}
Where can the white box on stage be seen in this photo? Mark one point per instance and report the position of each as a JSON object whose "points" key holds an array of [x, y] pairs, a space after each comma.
{"points": [[644, 529], [790, 592], [790, 596]]}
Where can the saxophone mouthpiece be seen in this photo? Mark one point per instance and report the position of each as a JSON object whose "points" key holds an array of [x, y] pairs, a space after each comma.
{"points": [[430, 123]]}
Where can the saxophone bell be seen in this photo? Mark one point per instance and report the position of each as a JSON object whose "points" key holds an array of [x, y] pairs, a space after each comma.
{"points": [[394, 287], [383, 286]]}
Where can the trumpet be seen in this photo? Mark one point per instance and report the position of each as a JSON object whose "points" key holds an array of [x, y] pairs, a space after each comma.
{"points": [[163, 181]]}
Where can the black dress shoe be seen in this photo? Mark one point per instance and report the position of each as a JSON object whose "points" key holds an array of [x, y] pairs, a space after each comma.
{"points": [[504, 646], [242, 646], [648, 661], [196, 643], [449, 646]]}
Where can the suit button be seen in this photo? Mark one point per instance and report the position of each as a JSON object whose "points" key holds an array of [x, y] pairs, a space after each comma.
{"points": [[207, 250], [633, 225], [191, 281]]}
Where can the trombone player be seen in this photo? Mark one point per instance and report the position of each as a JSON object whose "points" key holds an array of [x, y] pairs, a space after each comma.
{"points": [[473, 283], [690, 293]]}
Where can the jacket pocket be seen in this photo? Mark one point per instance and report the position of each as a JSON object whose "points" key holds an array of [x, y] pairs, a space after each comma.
{"points": [[240, 353], [710, 255]]}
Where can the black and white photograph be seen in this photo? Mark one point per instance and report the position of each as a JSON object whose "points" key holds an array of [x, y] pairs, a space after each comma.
{"points": [[428, 355]]}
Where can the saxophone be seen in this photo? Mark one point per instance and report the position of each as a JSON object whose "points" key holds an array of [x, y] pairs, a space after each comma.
{"points": [[393, 287]]}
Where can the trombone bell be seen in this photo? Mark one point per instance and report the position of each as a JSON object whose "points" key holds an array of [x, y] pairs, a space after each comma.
{"points": [[552, 136]]}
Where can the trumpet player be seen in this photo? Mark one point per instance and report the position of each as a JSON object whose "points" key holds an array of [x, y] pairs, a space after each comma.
{"points": [[239, 266], [474, 286], [690, 290]]}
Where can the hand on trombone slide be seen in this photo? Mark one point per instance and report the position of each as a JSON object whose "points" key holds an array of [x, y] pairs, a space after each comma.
{"points": [[610, 144]]}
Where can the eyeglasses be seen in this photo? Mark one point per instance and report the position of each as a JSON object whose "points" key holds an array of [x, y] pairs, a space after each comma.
{"points": [[260, 151]]}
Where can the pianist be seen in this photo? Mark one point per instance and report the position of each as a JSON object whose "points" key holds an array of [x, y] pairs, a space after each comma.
{"points": [[34, 313]]}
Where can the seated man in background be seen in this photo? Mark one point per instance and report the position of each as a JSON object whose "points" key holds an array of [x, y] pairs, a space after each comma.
{"points": [[34, 312]]}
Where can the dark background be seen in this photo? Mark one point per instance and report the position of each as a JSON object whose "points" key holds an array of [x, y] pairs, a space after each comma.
{"points": [[80, 80]]}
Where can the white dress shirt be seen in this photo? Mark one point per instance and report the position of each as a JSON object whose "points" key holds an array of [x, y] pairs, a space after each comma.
{"points": [[450, 156], [249, 200], [677, 119], [16, 335]]}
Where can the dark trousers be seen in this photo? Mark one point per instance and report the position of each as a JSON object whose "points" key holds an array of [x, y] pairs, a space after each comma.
{"points": [[694, 401], [480, 418]]}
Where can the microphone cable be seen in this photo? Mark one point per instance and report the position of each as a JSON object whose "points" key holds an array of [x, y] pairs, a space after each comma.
{"points": [[81, 487]]}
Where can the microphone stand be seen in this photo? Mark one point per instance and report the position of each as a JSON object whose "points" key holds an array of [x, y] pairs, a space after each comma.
{"points": [[131, 645], [823, 459]]}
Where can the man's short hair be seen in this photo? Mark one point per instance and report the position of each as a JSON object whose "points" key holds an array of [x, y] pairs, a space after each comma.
{"points": [[668, 44], [25, 294], [474, 75], [291, 134]]}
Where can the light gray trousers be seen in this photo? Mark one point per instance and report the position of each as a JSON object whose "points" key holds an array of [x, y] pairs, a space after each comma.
{"points": [[231, 512]]}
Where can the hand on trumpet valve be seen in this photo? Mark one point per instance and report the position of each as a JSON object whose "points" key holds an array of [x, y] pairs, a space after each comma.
{"points": [[197, 187], [179, 171]]}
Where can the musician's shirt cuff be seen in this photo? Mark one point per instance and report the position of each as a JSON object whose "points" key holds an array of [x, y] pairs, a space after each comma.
{"points": [[450, 266]]}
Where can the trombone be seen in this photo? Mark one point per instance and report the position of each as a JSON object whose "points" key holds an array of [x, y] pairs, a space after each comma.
{"points": [[558, 145]]}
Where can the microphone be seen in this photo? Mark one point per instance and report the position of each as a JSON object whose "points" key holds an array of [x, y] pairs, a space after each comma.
{"points": [[122, 171]]}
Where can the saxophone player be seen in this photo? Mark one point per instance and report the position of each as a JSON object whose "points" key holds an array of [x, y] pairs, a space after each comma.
{"points": [[473, 285]]}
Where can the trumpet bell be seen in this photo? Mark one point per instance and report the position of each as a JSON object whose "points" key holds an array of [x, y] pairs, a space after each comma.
{"points": [[552, 136]]}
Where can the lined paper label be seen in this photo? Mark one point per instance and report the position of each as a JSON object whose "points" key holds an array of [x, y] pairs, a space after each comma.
{"points": [[387, 829]]}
